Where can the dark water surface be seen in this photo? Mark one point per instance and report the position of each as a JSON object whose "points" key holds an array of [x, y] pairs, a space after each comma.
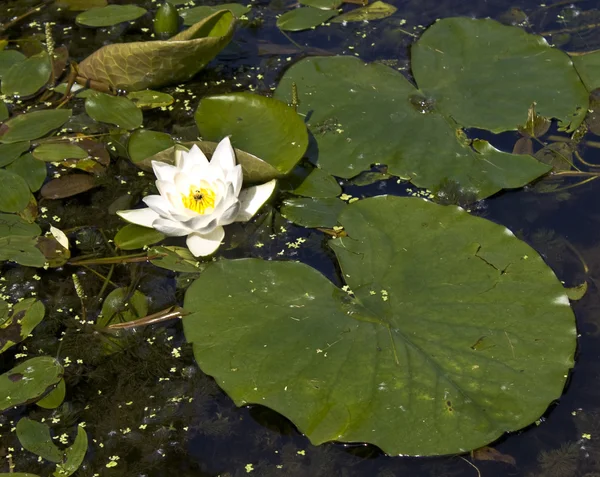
{"points": [[151, 406]]}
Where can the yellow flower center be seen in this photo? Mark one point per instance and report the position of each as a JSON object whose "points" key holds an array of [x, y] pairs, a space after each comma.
{"points": [[199, 199]]}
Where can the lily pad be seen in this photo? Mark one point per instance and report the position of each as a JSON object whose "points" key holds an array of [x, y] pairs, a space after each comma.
{"points": [[448, 326], [304, 18], [29, 381], [54, 398], [30, 169], [110, 15], [152, 64], [318, 183], [374, 11], [27, 77], [8, 58], [35, 437], [310, 212], [80, 5], [10, 152], [11, 224], [116, 110], [22, 250], [145, 143], [503, 69], [19, 322], [322, 4], [366, 114], [264, 127], [588, 67], [132, 237], [178, 259], [15, 192], [196, 14], [33, 125], [149, 99], [57, 152], [121, 305]]}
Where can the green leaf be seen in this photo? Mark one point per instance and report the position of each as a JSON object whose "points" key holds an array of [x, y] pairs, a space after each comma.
{"points": [[310, 212], [78, 5], [178, 259], [318, 183], [365, 114], [149, 99], [54, 398], [4, 114], [11, 224], [264, 127], [322, 4], [15, 192], [152, 64], [120, 306], [449, 327], [35, 437], [132, 237], [109, 15], [10, 152], [22, 250], [17, 474], [304, 18], [503, 69], [34, 125], [588, 68], [145, 143], [27, 77], [74, 455], [68, 186], [374, 11], [8, 58], [29, 381], [30, 169], [196, 14], [116, 110], [59, 152], [20, 322]]}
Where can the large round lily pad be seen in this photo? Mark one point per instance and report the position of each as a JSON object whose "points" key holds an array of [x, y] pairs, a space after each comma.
{"points": [[450, 331], [264, 127]]}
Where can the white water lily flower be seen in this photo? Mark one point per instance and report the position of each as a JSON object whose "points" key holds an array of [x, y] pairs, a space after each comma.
{"points": [[197, 198]]}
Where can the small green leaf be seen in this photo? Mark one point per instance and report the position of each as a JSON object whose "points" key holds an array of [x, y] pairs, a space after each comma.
{"points": [[54, 398], [178, 259], [8, 58], [4, 114], [27, 77], [81, 5], [57, 152], [374, 11], [10, 152], [310, 212], [322, 4], [21, 320], [109, 15], [15, 192], [132, 237], [247, 118], [74, 455], [30, 169], [144, 143], [121, 305], [304, 18], [116, 110], [35, 437], [22, 250], [577, 292], [29, 381], [196, 14], [34, 125]]}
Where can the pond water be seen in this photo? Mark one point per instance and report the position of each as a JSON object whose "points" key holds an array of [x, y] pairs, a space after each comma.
{"points": [[148, 409]]}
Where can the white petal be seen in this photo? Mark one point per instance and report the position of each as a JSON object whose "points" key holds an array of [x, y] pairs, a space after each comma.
{"points": [[171, 228], [252, 199], [183, 181], [203, 224], [60, 237], [163, 171], [144, 217], [158, 204], [202, 245], [224, 155], [164, 187], [230, 214], [235, 177], [179, 155], [194, 158]]}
